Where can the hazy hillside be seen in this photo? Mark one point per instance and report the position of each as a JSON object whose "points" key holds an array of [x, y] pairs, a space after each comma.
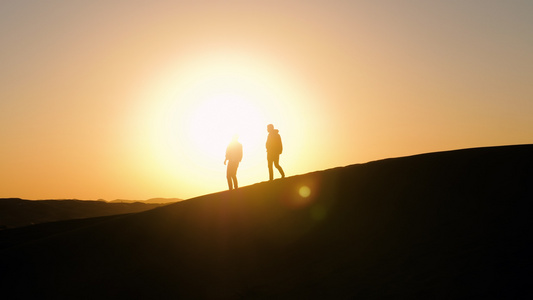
{"points": [[445, 225], [16, 212]]}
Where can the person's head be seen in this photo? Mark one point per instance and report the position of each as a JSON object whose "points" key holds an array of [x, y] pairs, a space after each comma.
{"points": [[270, 127], [235, 138]]}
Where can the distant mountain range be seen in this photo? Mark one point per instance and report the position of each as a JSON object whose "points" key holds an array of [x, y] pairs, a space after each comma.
{"points": [[153, 200]]}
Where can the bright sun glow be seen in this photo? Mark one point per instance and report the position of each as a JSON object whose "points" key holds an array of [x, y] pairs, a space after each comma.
{"points": [[213, 122], [224, 100], [201, 104]]}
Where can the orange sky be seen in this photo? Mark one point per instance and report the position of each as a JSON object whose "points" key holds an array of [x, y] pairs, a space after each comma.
{"points": [[115, 99]]}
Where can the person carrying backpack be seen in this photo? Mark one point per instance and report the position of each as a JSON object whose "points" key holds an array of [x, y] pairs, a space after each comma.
{"points": [[274, 148]]}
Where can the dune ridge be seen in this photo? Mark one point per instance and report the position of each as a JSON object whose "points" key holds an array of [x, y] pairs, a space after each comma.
{"points": [[16, 212], [454, 224]]}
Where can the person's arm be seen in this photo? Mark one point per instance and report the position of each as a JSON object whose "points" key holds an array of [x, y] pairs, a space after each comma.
{"points": [[226, 159]]}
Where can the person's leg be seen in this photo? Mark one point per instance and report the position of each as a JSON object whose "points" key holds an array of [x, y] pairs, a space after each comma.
{"points": [[229, 176], [234, 167], [235, 183], [276, 164], [230, 185], [270, 171]]}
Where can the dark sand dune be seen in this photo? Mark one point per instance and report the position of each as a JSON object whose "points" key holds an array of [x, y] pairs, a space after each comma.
{"points": [[444, 225], [16, 212]]}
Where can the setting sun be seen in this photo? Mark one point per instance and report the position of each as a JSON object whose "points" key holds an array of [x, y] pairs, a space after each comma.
{"points": [[226, 99], [214, 121]]}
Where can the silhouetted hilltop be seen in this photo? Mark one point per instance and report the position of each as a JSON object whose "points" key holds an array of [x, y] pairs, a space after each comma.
{"points": [[163, 200], [443, 225], [16, 212], [150, 201]]}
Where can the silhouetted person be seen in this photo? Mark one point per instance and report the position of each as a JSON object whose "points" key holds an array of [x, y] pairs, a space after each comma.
{"points": [[274, 148], [233, 157]]}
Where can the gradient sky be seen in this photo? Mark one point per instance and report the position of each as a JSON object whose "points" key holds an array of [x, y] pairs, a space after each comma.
{"points": [[126, 99]]}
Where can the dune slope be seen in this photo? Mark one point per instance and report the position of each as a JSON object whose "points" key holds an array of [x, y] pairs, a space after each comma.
{"points": [[442, 225]]}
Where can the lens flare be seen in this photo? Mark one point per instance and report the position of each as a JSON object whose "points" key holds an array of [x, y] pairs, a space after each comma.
{"points": [[304, 191]]}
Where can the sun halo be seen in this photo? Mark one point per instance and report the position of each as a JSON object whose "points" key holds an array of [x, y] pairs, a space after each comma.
{"points": [[213, 123], [201, 105]]}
